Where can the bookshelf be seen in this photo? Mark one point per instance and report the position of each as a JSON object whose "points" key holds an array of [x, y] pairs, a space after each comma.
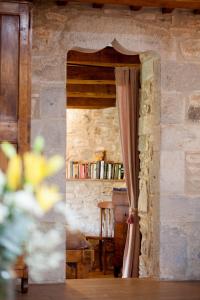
{"points": [[95, 171], [98, 180]]}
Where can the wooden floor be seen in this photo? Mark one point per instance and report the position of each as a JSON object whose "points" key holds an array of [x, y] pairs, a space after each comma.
{"points": [[114, 289]]}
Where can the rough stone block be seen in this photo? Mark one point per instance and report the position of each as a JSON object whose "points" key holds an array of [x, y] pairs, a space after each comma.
{"points": [[179, 209], [180, 77], [173, 253], [192, 137], [53, 102], [190, 48], [53, 131], [147, 70], [193, 108], [172, 137], [193, 250], [172, 108], [192, 173], [172, 172]]}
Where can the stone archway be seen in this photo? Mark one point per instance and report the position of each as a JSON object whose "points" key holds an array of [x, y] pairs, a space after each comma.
{"points": [[55, 32]]}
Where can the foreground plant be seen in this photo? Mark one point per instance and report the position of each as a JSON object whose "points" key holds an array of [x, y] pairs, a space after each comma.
{"points": [[25, 198]]}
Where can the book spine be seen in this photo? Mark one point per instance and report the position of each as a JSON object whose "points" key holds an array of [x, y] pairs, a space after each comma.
{"points": [[75, 170], [109, 171], [105, 170], [71, 169], [98, 169], [102, 170], [95, 171]]}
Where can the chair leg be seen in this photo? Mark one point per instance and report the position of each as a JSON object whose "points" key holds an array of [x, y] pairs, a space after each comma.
{"points": [[24, 281], [100, 255], [104, 261]]}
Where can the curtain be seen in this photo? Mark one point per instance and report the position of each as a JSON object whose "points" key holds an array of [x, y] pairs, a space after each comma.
{"points": [[127, 91]]}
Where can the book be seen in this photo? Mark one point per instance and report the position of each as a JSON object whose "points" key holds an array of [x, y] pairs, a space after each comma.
{"points": [[102, 170]]}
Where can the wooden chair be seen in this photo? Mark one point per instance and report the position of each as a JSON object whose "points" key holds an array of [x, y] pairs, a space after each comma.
{"points": [[105, 238]]}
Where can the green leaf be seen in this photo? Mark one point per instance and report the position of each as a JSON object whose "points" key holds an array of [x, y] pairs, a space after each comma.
{"points": [[8, 149], [38, 144]]}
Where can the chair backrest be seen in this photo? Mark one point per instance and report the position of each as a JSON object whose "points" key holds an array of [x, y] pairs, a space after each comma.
{"points": [[105, 204], [106, 218]]}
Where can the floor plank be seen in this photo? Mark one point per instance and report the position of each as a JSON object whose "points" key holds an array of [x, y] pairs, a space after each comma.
{"points": [[114, 289]]}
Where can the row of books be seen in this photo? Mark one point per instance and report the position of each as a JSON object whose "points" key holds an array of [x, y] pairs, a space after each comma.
{"points": [[95, 170]]}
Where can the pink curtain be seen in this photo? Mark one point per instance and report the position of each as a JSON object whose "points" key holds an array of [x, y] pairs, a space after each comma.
{"points": [[127, 88]]}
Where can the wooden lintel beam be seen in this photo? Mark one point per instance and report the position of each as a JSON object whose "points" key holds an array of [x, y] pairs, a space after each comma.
{"points": [[90, 73], [188, 4], [90, 95], [97, 5], [166, 10], [92, 88], [89, 82], [135, 8], [88, 103]]}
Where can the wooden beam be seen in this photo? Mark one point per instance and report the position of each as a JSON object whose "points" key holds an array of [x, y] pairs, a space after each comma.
{"points": [[135, 8], [88, 103], [107, 57], [90, 95], [189, 4], [90, 73], [83, 88], [196, 11], [89, 82], [166, 10], [61, 2], [97, 5]]}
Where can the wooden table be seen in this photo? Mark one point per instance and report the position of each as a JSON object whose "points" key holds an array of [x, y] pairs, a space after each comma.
{"points": [[114, 289]]}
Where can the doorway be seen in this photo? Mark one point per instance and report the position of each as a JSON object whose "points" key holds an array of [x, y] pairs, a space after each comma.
{"points": [[93, 137]]}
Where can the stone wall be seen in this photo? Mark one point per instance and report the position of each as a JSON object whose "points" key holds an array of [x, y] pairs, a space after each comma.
{"points": [[175, 38], [89, 131]]}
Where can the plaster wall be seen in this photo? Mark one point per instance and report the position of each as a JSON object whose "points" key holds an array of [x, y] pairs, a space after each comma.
{"points": [[175, 39]]}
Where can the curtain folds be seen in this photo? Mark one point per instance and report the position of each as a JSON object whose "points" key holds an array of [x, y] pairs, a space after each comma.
{"points": [[127, 90]]}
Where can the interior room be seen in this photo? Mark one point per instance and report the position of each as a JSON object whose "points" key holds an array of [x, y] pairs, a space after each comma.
{"points": [[94, 163]]}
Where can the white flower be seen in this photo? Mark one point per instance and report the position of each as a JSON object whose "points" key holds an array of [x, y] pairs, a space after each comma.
{"points": [[3, 213], [2, 181], [24, 200]]}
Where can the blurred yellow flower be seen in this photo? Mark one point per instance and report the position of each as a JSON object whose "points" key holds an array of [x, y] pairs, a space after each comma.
{"points": [[47, 197], [37, 168], [34, 168], [14, 172], [54, 164]]}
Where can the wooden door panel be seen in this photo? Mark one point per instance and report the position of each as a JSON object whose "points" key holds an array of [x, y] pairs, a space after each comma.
{"points": [[14, 76], [9, 67]]}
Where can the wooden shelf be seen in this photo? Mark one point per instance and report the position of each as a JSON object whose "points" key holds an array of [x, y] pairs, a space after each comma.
{"points": [[101, 180]]}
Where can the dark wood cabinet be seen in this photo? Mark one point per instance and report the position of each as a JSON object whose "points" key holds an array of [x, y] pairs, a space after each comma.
{"points": [[121, 207]]}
